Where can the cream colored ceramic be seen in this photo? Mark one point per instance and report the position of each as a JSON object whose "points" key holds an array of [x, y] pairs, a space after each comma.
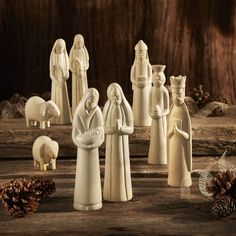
{"points": [[141, 78], [88, 135], [59, 73], [38, 110], [79, 64], [45, 152], [179, 137], [158, 110], [118, 125]]}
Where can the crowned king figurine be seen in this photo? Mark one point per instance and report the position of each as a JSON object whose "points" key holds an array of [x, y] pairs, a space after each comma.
{"points": [[179, 137]]}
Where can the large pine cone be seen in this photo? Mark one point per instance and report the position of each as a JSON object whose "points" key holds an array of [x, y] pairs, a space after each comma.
{"points": [[21, 196], [224, 183], [223, 207]]}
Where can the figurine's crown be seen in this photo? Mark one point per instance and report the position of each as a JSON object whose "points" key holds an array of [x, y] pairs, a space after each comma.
{"points": [[141, 46], [158, 68], [178, 82]]}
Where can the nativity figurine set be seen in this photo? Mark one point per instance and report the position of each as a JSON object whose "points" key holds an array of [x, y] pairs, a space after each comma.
{"points": [[171, 135]]}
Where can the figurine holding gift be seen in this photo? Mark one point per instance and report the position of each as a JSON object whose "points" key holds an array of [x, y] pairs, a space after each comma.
{"points": [[158, 110], [141, 78]]}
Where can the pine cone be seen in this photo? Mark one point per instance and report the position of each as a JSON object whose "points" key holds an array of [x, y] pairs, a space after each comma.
{"points": [[200, 97], [223, 207], [223, 184], [219, 111], [21, 196]]}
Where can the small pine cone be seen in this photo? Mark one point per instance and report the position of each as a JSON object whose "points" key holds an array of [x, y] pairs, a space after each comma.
{"points": [[200, 96], [223, 207], [222, 184], [21, 196]]}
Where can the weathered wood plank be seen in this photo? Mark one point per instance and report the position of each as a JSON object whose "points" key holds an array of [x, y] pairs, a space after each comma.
{"points": [[211, 136]]}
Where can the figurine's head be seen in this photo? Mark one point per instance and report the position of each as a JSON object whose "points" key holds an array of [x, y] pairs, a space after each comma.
{"points": [[178, 89], [92, 98], [78, 41], [60, 46], [158, 77], [114, 93], [49, 151], [141, 50]]}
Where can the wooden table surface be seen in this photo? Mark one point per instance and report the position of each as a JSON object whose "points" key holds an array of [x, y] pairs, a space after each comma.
{"points": [[155, 208]]}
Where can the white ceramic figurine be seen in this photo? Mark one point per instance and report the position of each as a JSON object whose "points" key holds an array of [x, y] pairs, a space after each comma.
{"points": [[118, 125], [88, 135], [141, 78], [38, 110], [179, 137], [79, 64], [59, 73], [45, 152], [158, 110]]}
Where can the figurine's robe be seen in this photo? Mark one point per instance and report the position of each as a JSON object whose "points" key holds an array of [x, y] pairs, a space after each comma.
{"points": [[117, 181], [59, 92], [158, 141], [179, 148], [141, 85], [79, 62], [87, 181]]}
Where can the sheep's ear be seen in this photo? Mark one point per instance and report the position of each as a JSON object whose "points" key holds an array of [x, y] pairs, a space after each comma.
{"points": [[42, 150], [43, 109]]}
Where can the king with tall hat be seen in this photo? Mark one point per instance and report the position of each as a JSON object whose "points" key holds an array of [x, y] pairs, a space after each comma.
{"points": [[141, 78], [179, 137]]}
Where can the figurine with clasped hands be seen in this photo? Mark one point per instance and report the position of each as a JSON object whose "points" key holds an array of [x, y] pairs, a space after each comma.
{"points": [[118, 123], [179, 137], [88, 136]]}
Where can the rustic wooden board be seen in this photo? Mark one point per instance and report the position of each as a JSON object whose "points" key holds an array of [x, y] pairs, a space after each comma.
{"points": [[155, 208], [211, 136]]}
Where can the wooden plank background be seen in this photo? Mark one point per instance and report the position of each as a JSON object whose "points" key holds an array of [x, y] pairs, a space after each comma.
{"points": [[195, 38]]}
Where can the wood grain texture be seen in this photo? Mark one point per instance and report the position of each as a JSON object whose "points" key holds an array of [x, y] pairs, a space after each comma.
{"points": [[155, 209], [194, 38], [211, 136]]}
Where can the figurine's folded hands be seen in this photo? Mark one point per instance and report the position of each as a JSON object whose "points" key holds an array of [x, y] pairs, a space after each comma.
{"points": [[109, 130], [180, 132], [126, 130]]}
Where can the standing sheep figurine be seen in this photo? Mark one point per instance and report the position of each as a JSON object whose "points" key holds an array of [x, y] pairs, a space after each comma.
{"points": [[38, 110], [45, 152]]}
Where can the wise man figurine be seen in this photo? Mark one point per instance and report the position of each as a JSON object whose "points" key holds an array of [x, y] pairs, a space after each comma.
{"points": [[59, 74], [118, 125], [141, 78], [88, 135], [158, 110], [179, 137], [79, 64]]}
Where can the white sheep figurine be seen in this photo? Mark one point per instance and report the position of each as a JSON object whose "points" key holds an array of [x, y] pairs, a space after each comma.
{"points": [[45, 152], [38, 110]]}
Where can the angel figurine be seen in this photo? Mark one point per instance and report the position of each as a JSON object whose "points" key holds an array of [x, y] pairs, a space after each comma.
{"points": [[179, 137], [88, 135], [118, 123], [79, 64], [59, 73], [158, 110], [141, 78]]}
